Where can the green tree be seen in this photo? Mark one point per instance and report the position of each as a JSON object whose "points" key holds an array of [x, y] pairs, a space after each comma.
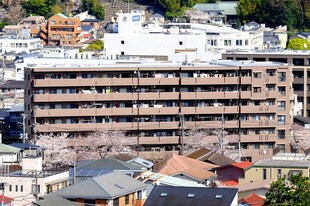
{"points": [[294, 190], [56, 9], [299, 44], [36, 7], [96, 45], [94, 7]]}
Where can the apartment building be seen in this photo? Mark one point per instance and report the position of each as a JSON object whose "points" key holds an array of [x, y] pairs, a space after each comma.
{"points": [[61, 31], [300, 61], [19, 45], [146, 98]]}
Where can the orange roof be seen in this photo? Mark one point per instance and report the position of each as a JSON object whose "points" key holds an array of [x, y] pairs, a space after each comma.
{"points": [[230, 183], [242, 165], [175, 164], [253, 200]]}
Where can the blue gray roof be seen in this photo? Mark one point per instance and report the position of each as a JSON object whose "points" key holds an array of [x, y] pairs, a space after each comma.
{"points": [[107, 186], [91, 20], [53, 200], [112, 164], [86, 27], [157, 15], [25, 145], [17, 108], [168, 195]]}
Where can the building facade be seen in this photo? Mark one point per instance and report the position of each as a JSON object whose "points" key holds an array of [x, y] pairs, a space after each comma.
{"points": [[301, 69], [148, 99], [61, 31]]}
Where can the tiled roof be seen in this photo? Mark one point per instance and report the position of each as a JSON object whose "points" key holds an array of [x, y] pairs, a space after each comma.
{"points": [[253, 200], [107, 186], [230, 183], [53, 200], [204, 155], [110, 163], [175, 164], [124, 157], [253, 185], [242, 165]]}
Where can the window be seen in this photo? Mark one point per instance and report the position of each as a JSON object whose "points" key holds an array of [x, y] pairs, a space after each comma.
{"points": [[246, 42], [238, 42], [281, 91], [256, 117], [116, 202], [89, 202], [227, 42], [122, 42], [16, 188], [270, 117], [126, 199], [139, 195], [257, 75], [281, 105], [10, 188], [21, 188], [256, 146], [281, 119], [257, 89], [279, 172], [180, 43], [281, 147], [264, 174], [282, 76], [281, 134], [122, 53]]}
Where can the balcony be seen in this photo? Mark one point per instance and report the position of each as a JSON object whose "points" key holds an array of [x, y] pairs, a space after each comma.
{"points": [[211, 124], [272, 79], [158, 111], [259, 138], [158, 125], [158, 140], [257, 154], [258, 123], [86, 127]]}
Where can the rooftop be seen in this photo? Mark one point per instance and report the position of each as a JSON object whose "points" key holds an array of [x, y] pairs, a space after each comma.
{"points": [[253, 200], [167, 195], [9, 149], [282, 163], [107, 186], [206, 155], [176, 164], [228, 8], [271, 52], [253, 185], [113, 164], [35, 62], [25, 145], [52, 200]]}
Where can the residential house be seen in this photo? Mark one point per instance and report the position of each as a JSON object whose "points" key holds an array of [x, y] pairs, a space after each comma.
{"points": [[29, 149], [154, 178], [30, 24], [183, 167], [184, 196], [252, 200], [114, 188], [32, 181], [157, 18], [272, 169], [126, 157], [232, 171], [212, 157], [103, 166], [61, 31], [220, 12], [260, 187], [53, 200], [10, 155]]}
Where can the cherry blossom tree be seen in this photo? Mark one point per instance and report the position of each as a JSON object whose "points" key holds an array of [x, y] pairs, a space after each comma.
{"points": [[215, 140], [104, 143], [300, 138], [57, 150]]}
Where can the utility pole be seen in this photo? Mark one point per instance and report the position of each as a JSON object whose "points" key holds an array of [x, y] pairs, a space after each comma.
{"points": [[36, 192], [74, 168], [222, 135], [24, 128], [181, 123]]}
